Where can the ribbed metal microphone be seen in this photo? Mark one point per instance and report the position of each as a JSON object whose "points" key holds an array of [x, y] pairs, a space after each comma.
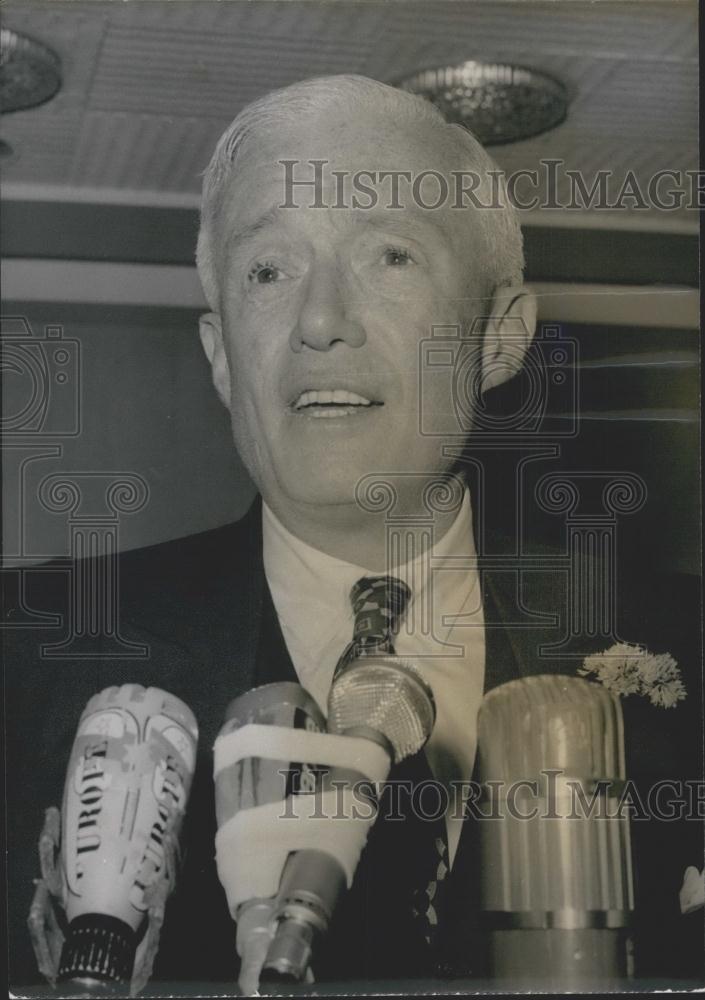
{"points": [[556, 871], [381, 698]]}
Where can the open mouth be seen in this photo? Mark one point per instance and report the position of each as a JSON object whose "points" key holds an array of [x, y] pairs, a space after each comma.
{"points": [[332, 403]]}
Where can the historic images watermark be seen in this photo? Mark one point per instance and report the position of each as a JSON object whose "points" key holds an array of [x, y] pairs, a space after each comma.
{"points": [[549, 185], [552, 795], [48, 367], [42, 411], [450, 366]]}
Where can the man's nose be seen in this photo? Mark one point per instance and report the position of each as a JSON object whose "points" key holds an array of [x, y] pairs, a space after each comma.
{"points": [[325, 317]]}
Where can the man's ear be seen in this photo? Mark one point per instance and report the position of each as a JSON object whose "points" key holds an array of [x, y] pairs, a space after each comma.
{"points": [[211, 333], [508, 334]]}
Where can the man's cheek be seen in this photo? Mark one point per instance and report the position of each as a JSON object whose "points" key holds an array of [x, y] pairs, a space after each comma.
{"points": [[247, 422]]}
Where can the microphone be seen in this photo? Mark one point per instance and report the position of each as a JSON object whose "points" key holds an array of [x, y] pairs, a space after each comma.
{"points": [[555, 859], [377, 698], [247, 783], [127, 785]]}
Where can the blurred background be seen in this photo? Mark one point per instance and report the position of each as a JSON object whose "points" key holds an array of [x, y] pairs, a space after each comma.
{"points": [[102, 367]]}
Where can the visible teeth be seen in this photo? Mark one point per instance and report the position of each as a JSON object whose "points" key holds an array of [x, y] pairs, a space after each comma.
{"points": [[341, 411], [322, 397]]}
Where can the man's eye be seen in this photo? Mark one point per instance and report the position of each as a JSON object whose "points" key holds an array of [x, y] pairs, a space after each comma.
{"points": [[396, 257], [264, 273]]}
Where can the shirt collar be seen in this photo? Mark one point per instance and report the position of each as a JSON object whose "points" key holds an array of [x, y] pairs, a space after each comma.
{"points": [[324, 582]]}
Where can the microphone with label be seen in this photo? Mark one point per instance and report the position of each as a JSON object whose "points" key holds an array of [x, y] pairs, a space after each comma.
{"points": [[255, 774], [127, 785], [555, 856], [381, 702]]}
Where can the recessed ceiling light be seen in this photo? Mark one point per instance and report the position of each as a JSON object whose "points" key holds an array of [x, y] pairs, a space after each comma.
{"points": [[30, 73], [498, 102]]}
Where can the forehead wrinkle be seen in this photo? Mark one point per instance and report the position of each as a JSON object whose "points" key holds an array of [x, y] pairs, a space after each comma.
{"points": [[405, 219]]}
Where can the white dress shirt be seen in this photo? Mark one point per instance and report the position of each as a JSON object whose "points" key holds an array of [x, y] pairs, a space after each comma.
{"points": [[311, 594]]}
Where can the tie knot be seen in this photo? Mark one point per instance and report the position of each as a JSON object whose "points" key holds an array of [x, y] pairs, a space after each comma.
{"points": [[378, 603]]}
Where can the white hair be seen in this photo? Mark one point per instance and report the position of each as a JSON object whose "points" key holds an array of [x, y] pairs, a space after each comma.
{"points": [[504, 258]]}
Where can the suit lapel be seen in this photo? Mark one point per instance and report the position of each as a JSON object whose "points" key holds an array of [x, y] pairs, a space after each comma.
{"points": [[505, 658], [266, 659], [272, 659], [506, 654]]}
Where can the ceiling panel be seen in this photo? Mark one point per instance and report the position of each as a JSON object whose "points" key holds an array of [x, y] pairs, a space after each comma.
{"points": [[149, 86], [156, 152], [166, 72]]}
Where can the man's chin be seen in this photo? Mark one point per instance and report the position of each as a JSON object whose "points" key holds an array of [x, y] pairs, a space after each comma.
{"points": [[320, 486], [320, 483]]}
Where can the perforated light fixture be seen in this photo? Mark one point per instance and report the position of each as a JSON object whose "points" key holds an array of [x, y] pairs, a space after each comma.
{"points": [[30, 73], [498, 102]]}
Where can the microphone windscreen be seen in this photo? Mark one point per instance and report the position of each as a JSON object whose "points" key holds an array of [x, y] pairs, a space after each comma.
{"points": [[385, 695]]}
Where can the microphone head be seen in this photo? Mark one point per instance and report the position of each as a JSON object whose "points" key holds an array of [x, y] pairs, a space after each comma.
{"points": [[551, 721], [256, 781], [385, 694], [281, 703]]}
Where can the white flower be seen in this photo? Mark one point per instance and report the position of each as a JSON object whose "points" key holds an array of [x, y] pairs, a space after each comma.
{"points": [[628, 669], [667, 695], [617, 668], [658, 669]]}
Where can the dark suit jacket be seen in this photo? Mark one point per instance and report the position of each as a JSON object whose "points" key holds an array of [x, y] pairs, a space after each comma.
{"points": [[203, 608]]}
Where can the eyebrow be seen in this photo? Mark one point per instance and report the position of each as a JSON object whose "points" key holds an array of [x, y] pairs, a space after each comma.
{"points": [[244, 235], [407, 218]]}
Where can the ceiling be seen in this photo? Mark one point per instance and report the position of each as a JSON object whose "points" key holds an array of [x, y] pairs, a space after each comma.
{"points": [[149, 86]]}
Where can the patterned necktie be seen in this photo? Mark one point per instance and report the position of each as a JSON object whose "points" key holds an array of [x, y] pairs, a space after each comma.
{"points": [[379, 604]]}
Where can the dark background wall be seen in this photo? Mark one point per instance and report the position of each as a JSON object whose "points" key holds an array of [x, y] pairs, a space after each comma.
{"points": [[146, 407]]}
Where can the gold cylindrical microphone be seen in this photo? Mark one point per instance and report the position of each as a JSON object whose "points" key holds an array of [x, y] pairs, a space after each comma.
{"points": [[556, 869]]}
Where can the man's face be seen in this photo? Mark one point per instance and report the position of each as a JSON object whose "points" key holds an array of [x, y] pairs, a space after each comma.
{"points": [[323, 309]]}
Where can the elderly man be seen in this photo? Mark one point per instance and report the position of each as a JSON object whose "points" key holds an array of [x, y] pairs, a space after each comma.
{"points": [[318, 312], [327, 256]]}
